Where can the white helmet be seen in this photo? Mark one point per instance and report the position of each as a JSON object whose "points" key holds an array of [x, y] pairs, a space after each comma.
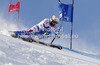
{"points": [[54, 18]]}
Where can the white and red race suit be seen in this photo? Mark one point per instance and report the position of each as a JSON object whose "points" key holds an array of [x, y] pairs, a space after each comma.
{"points": [[44, 25]]}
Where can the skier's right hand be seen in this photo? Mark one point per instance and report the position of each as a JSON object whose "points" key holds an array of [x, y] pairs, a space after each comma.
{"points": [[45, 33], [58, 35]]}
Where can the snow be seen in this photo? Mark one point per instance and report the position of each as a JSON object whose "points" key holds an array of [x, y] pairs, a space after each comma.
{"points": [[6, 26], [14, 51]]}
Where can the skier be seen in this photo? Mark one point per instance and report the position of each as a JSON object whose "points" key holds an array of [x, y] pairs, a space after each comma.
{"points": [[46, 26]]}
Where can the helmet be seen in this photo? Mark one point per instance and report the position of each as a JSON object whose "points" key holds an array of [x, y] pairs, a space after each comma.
{"points": [[54, 18]]}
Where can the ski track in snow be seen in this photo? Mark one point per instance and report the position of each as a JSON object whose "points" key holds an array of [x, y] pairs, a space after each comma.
{"points": [[14, 51]]}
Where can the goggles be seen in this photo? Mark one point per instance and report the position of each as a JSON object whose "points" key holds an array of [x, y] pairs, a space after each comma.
{"points": [[54, 22]]}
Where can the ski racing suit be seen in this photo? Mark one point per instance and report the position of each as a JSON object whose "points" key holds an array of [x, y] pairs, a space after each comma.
{"points": [[44, 26]]}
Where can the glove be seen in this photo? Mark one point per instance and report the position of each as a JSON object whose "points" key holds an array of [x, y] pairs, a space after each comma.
{"points": [[58, 35], [45, 33]]}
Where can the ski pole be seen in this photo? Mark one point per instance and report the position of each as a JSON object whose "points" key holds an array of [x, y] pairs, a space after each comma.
{"points": [[60, 26], [58, 31]]}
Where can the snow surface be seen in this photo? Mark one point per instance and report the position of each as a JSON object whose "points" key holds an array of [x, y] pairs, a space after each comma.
{"points": [[14, 51]]}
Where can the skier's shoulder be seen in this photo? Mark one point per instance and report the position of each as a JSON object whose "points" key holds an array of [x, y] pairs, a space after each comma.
{"points": [[46, 20]]}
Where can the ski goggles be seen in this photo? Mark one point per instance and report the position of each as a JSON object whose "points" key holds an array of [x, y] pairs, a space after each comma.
{"points": [[54, 22]]}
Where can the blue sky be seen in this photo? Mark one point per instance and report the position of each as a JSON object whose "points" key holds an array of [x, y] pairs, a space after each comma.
{"points": [[86, 18]]}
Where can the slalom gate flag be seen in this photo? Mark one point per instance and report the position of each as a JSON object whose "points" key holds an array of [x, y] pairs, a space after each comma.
{"points": [[14, 8], [66, 12]]}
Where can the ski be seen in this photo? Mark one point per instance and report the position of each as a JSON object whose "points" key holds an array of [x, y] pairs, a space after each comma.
{"points": [[43, 43], [31, 38]]}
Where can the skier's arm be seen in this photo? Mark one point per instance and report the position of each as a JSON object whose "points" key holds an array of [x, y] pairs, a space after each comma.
{"points": [[42, 24], [39, 26]]}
